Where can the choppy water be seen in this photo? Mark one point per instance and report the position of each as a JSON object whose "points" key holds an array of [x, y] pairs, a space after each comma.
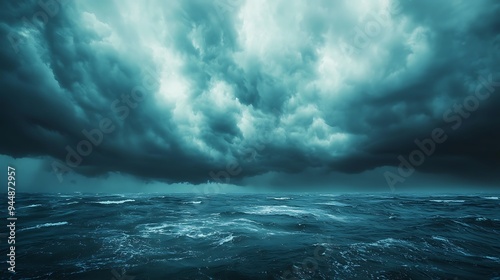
{"points": [[257, 237]]}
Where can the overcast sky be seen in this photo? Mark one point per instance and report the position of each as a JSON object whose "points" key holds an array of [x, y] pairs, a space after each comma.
{"points": [[282, 95]]}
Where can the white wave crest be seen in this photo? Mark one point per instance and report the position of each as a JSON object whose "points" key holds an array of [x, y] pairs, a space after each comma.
{"points": [[114, 201], [31, 206], [192, 202], [277, 210], [226, 239], [388, 242], [447, 200], [333, 203], [69, 203], [290, 211], [45, 225]]}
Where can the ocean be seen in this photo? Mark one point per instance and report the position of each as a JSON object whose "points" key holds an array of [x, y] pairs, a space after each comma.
{"points": [[256, 236]]}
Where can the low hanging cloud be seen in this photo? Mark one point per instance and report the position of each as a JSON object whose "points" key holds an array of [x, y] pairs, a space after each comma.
{"points": [[181, 91]]}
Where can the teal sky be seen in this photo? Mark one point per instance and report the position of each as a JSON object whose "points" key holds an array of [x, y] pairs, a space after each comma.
{"points": [[126, 96]]}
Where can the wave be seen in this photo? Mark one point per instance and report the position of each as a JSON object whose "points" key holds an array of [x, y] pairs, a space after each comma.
{"points": [[383, 243], [45, 225], [278, 210], [388, 242], [226, 239], [69, 203], [280, 198], [439, 238], [31, 206], [246, 221], [447, 200], [179, 229], [192, 202], [242, 223], [495, 259], [491, 197], [158, 229], [449, 245], [470, 218], [114, 201], [333, 203], [336, 218], [290, 211]]}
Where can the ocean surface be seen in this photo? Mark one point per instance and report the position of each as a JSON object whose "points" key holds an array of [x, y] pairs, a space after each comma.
{"points": [[266, 236]]}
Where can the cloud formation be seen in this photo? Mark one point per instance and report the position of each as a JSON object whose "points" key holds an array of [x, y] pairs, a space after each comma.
{"points": [[181, 90]]}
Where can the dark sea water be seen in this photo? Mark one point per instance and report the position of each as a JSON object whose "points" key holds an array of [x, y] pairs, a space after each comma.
{"points": [[235, 236]]}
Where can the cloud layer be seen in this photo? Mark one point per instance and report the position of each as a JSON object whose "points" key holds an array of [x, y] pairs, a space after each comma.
{"points": [[181, 90]]}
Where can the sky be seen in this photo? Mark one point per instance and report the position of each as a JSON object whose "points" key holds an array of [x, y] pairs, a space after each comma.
{"points": [[230, 96]]}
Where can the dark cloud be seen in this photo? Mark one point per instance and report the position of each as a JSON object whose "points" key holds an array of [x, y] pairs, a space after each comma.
{"points": [[175, 92]]}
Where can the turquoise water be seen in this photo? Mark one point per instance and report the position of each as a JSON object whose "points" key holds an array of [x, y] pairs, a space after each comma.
{"points": [[257, 237]]}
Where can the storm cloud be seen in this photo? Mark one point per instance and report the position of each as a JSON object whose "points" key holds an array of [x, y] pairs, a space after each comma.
{"points": [[234, 91]]}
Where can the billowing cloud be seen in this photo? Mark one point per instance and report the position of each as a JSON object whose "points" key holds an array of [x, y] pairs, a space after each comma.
{"points": [[190, 91]]}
